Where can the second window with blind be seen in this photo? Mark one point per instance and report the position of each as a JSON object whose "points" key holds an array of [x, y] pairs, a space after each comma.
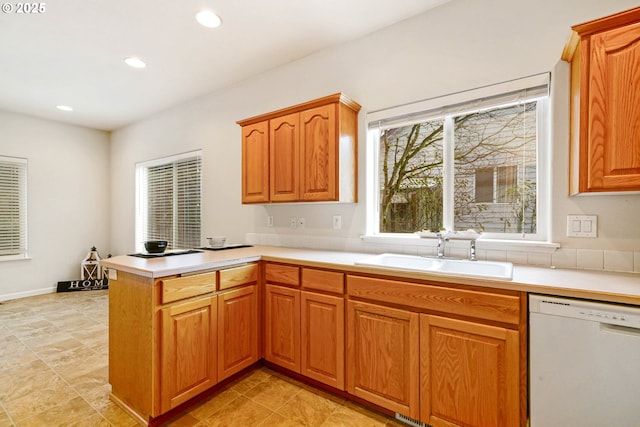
{"points": [[465, 165], [168, 201], [13, 208]]}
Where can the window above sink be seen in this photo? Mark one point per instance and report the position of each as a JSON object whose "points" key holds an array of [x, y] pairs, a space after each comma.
{"points": [[471, 160]]}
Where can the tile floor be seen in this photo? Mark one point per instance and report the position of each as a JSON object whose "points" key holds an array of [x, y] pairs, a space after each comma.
{"points": [[53, 372]]}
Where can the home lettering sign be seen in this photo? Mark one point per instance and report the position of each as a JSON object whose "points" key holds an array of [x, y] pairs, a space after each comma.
{"points": [[84, 285]]}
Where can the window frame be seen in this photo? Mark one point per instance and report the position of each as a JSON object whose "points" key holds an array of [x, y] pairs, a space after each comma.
{"points": [[141, 194], [448, 107], [22, 185]]}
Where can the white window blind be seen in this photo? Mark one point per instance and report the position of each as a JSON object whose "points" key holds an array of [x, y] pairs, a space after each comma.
{"points": [[168, 199], [460, 102], [13, 207]]}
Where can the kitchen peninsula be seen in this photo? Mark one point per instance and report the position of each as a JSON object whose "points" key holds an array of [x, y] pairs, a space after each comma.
{"points": [[180, 325]]}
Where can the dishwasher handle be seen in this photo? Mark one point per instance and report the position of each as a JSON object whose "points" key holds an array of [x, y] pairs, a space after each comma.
{"points": [[617, 329]]}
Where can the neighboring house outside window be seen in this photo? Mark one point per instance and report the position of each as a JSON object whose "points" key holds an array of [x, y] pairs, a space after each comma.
{"points": [[13, 208], [168, 201], [472, 165], [493, 184]]}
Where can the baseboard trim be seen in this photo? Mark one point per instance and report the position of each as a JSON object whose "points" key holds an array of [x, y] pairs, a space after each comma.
{"points": [[25, 294], [183, 407], [126, 408]]}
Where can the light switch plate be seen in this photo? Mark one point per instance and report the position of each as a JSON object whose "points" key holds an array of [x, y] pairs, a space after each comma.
{"points": [[337, 222], [582, 226]]}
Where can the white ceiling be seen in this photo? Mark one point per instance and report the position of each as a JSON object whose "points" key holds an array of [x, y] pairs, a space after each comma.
{"points": [[72, 54]]}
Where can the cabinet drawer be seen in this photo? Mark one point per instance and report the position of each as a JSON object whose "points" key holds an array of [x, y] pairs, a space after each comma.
{"points": [[482, 305], [284, 274], [188, 286], [237, 276], [329, 281]]}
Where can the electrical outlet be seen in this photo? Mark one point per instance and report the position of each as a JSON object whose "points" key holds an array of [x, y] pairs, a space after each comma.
{"points": [[337, 222], [270, 221], [293, 222], [301, 222], [112, 274]]}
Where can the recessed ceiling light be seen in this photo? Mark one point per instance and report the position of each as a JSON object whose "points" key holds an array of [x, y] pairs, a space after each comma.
{"points": [[134, 62], [208, 19], [64, 108]]}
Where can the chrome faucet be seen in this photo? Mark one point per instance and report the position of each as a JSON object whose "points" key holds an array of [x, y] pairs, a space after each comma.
{"points": [[442, 239], [472, 250]]}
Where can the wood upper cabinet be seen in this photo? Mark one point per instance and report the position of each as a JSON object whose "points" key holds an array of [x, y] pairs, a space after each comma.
{"points": [[312, 152], [469, 374], [319, 161], [605, 104], [237, 330], [255, 162], [383, 356], [188, 354], [284, 154]]}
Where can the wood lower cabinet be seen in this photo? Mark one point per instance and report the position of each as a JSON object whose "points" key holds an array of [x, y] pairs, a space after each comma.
{"points": [[469, 374], [322, 336], [237, 330], [188, 355], [383, 356], [468, 369], [445, 354], [172, 338], [282, 326]]}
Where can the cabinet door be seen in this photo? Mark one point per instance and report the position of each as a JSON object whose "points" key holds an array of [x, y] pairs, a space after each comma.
{"points": [[319, 157], [469, 373], [237, 330], [382, 356], [614, 112], [322, 336], [255, 163], [188, 351], [282, 328], [285, 158]]}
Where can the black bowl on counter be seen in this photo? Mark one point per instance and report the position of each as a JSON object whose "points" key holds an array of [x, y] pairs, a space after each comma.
{"points": [[155, 246]]}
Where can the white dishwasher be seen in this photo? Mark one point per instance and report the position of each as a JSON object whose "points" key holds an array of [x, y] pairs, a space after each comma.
{"points": [[584, 363]]}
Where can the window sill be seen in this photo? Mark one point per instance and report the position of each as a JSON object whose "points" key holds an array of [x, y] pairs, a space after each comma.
{"points": [[481, 243], [7, 258]]}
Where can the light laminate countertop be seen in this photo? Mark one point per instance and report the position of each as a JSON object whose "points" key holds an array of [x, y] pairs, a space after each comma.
{"points": [[596, 285]]}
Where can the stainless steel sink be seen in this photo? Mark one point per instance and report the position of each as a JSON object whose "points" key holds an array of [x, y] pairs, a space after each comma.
{"points": [[444, 266]]}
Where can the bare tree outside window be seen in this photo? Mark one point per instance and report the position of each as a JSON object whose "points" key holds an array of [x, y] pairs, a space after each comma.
{"points": [[411, 190], [494, 178]]}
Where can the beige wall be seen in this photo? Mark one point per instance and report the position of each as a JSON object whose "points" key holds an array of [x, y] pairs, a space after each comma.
{"points": [[81, 181], [67, 201], [460, 45]]}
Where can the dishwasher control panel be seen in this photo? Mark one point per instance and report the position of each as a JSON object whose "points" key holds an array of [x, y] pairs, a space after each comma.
{"points": [[586, 310]]}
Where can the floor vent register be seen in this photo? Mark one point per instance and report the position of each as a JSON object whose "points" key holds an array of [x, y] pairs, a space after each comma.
{"points": [[410, 421]]}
